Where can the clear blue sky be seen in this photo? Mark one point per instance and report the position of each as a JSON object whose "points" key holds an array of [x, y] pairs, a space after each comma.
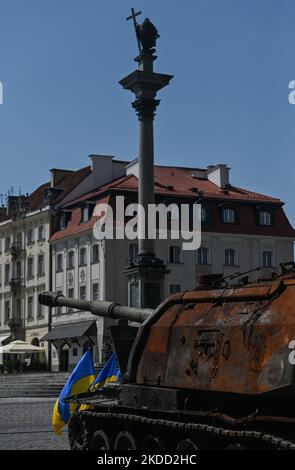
{"points": [[61, 60]]}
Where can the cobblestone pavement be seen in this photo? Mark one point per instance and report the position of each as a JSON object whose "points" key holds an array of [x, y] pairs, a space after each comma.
{"points": [[25, 424]]}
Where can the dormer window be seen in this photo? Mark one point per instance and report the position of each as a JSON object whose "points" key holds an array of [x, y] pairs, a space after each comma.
{"points": [[62, 222], [85, 214], [228, 216], [264, 218]]}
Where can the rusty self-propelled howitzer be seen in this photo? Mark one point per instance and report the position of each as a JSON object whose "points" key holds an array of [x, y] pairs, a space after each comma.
{"points": [[210, 368]]}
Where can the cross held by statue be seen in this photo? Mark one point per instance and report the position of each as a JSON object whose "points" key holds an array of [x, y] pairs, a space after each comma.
{"points": [[133, 17]]}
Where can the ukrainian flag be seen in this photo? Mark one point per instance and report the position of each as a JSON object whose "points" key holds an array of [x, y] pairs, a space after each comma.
{"points": [[110, 373], [78, 382]]}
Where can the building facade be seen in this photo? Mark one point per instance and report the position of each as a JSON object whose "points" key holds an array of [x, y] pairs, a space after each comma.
{"points": [[25, 258], [241, 231]]}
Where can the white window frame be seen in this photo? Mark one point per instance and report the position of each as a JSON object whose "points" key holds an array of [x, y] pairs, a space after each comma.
{"points": [[202, 256], [267, 259], [228, 216], [174, 254], [230, 257], [265, 218]]}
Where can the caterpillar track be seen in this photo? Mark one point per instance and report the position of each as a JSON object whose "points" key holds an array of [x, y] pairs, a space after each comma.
{"points": [[125, 431]]}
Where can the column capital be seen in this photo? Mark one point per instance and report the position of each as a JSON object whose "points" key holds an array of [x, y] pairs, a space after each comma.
{"points": [[145, 108]]}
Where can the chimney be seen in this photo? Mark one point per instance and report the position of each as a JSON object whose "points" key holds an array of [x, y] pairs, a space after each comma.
{"points": [[132, 168], [105, 169], [57, 175], [219, 175]]}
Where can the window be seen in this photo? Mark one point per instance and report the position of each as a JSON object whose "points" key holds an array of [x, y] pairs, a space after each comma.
{"points": [[18, 309], [18, 269], [0, 247], [62, 222], [70, 296], [6, 311], [30, 235], [40, 311], [85, 214], [41, 267], [75, 352], [174, 288], [95, 291], [59, 309], [7, 273], [71, 260], [174, 254], [203, 214], [230, 257], [229, 216], [59, 263], [95, 253], [30, 270], [30, 313], [267, 259], [83, 257], [132, 251], [264, 218], [82, 292], [7, 243], [19, 240], [203, 255], [41, 233]]}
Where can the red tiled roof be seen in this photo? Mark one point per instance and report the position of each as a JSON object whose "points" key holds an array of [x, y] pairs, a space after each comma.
{"points": [[177, 181], [70, 181], [67, 184], [36, 198], [75, 226]]}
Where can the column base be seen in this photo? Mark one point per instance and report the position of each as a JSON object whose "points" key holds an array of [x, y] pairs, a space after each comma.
{"points": [[146, 276]]}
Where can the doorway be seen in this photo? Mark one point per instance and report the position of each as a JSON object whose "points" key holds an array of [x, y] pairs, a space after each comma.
{"points": [[64, 360]]}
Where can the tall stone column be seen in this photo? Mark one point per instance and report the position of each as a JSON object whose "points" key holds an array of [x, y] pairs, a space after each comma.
{"points": [[146, 273]]}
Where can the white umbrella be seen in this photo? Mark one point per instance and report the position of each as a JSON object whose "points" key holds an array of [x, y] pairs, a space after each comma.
{"points": [[19, 347]]}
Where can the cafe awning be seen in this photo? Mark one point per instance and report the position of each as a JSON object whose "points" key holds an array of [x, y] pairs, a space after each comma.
{"points": [[19, 347], [3, 338], [71, 330]]}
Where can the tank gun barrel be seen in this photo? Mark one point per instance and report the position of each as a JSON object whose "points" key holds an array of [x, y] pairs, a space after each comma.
{"points": [[98, 307]]}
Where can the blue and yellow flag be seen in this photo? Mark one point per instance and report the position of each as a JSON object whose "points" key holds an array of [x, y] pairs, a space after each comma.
{"points": [[79, 382], [110, 373]]}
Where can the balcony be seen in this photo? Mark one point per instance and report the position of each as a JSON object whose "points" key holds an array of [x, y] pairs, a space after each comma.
{"points": [[16, 283]]}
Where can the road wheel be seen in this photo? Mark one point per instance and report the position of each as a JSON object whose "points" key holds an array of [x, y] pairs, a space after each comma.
{"points": [[187, 445], [152, 443], [79, 433], [101, 441], [125, 441]]}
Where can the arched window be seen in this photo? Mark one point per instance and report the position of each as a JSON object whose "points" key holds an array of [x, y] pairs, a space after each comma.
{"points": [[203, 255], [228, 216], [264, 218], [230, 257], [174, 254], [267, 259]]}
